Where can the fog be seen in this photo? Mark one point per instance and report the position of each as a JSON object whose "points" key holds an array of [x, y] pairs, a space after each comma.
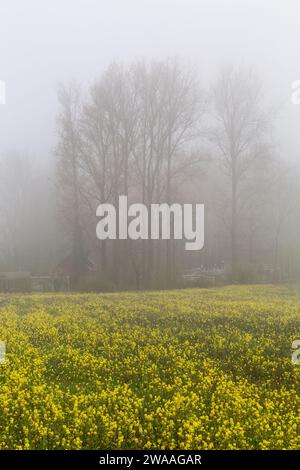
{"points": [[43, 43], [177, 101]]}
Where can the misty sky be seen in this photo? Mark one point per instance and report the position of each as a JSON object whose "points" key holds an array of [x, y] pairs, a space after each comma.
{"points": [[43, 42]]}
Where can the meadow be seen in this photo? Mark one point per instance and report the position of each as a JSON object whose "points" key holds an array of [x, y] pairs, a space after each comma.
{"points": [[185, 369]]}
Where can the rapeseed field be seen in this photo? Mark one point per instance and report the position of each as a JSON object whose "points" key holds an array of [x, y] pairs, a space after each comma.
{"points": [[186, 369]]}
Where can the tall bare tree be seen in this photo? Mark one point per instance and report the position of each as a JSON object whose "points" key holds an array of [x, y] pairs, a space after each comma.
{"points": [[68, 173], [239, 134]]}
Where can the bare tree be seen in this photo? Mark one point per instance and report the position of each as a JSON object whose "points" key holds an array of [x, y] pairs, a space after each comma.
{"points": [[239, 134], [283, 201], [26, 217], [68, 173], [170, 105]]}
